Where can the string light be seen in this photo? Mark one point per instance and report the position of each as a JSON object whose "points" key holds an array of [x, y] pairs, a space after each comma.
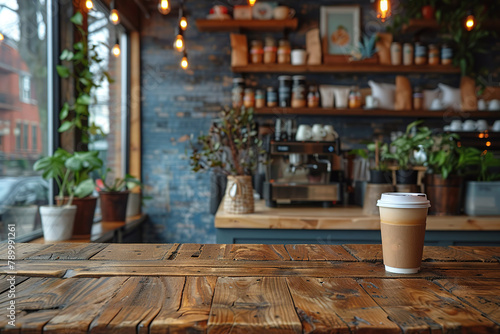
{"points": [[114, 17], [183, 23], [164, 7], [470, 22], [2, 37], [252, 2], [179, 43], [89, 4], [184, 62], [383, 10], [116, 49]]}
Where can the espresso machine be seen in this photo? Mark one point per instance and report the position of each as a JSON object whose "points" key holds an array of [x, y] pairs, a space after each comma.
{"points": [[301, 172]]}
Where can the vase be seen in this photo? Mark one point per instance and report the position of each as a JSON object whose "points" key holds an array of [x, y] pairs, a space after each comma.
{"points": [[238, 198]]}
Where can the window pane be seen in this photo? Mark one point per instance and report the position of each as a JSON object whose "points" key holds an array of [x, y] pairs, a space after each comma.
{"points": [[23, 113], [106, 111]]}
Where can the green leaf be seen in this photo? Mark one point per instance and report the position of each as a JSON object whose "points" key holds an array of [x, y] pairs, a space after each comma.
{"points": [[64, 111], [62, 71], [78, 46], [65, 126], [77, 19], [85, 188], [84, 99]]}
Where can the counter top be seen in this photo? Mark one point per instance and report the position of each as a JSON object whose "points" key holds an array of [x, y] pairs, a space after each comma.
{"points": [[194, 288], [338, 218]]}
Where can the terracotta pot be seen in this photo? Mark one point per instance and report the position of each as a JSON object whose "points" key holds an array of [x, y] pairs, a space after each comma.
{"points": [[84, 219], [444, 195], [114, 206]]}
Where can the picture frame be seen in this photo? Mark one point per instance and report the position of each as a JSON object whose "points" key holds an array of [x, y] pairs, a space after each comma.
{"points": [[340, 29]]}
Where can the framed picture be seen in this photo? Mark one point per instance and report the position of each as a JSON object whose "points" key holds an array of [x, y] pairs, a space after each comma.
{"points": [[340, 31]]}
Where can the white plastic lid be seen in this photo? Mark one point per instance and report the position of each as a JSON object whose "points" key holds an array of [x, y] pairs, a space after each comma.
{"points": [[404, 200]]}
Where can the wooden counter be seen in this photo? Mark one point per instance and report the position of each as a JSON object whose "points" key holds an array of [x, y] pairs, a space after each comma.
{"points": [[312, 225], [193, 288]]}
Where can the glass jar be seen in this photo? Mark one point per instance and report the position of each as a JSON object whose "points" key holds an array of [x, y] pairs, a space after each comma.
{"points": [[299, 94], [249, 98], [446, 55], [285, 90], [396, 53], [256, 52], [272, 97], [237, 92], [408, 54], [434, 55], [260, 99], [418, 98], [270, 51], [420, 54], [313, 97], [284, 52], [354, 98]]}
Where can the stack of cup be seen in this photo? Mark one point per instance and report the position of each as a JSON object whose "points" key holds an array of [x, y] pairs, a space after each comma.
{"points": [[402, 223]]}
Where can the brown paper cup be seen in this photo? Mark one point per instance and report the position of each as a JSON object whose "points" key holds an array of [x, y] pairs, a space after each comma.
{"points": [[402, 224]]}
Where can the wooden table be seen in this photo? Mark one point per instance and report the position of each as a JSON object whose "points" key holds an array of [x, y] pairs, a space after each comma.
{"points": [[338, 225], [193, 288]]}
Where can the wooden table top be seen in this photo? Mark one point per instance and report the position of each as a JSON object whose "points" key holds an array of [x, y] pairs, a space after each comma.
{"points": [[195, 288], [338, 218]]}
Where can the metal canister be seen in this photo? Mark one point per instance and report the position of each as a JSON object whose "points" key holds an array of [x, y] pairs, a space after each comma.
{"points": [[299, 93], [408, 54], [272, 97], [285, 90]]}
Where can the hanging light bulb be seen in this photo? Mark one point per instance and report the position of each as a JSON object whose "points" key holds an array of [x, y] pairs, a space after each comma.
{"points": [[114, 17], [252, 2], [2, 37], [164, 7], [184, 62], [179, 43], [183, 23], [89, 4], [116, 49], [383, 10], [470, 22]]}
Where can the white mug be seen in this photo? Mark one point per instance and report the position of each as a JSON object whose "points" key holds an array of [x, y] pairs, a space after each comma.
{"points": [[283, 12], [304, 133], [436, 104], [494, 105], [331, 134], [469, 125], [318, 133], [456, 125], [371, 102], [481, 125], [496, 126], [481, 105], [298, 57]]}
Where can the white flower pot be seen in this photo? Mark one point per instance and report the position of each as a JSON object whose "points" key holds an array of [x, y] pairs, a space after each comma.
{"points": [[57, 222], [133, 204]]}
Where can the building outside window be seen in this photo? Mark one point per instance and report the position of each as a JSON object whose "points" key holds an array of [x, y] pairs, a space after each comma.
{"points": [[25, 89], [34, 138]]}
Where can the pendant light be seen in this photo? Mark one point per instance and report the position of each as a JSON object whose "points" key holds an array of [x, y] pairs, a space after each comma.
{"points": [[182, 20], [383, 10], [114, 17], [184, 62], [470, 21], [2, 37], [252, 2], [89, 4], [164, 7], [116, 51]]}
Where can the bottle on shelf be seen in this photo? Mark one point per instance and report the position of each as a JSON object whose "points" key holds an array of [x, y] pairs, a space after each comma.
{"points": [[270, 51], [256, 52], [284, 52], [260, 99], [354, 98], [299, 95], [238, 92], [313, 97], [285, 90], [418, 98], [272, 97]]}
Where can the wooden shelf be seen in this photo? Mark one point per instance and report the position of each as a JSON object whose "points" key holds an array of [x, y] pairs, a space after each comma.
{"points": [[255, 25], [352, 67], [375, 112], [417, 25]]}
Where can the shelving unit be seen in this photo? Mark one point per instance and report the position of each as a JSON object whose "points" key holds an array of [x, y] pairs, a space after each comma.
{"points": [[352, 67], [417, 25], [253, 25], [375, 112]]}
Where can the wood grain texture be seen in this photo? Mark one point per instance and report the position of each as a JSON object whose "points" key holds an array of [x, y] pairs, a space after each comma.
{"points": [[365, 253], [22, 251], [483, 295], [249, 304], [133, 252], [419, 305], [486, 254], [68, 251], [192, 309], [256, 252], [318, 253], [6, 284], [337, 305]]}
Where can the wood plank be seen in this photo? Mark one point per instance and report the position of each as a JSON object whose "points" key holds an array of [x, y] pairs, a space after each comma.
{"points": [[251, 252], [418, 305], [6, 284], [135, 167], [133, 252], [483, 295], [318, 253], [486, 254], [67, 251], [365, 253], [253, 304], [254, 25], [30, 323], [138, 300], [337, 305], [191, 316], [22, 250], [199, 252]]}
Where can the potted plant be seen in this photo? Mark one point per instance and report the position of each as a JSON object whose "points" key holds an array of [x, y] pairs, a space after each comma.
{"points": [[365, 51], [232, 148], [114, 196], [482, 195], [446, 165], [414, 138]]}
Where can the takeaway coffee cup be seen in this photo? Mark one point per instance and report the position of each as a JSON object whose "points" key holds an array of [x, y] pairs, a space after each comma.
{"points": [[402, 223]]}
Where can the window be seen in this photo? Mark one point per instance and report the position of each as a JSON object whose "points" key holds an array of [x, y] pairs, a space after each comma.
{"points": [[110, 109], [24, 105]]}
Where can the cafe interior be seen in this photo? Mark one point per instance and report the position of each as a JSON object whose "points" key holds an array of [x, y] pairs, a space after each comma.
{"points": [[205, 143]]}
